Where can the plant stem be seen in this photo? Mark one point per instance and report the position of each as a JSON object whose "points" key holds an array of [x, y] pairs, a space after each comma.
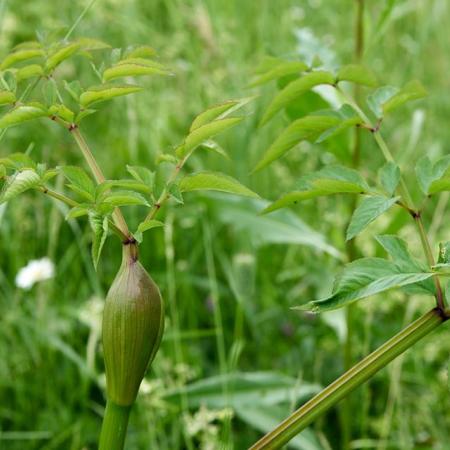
{"points": [[350, 380], [119, 220], [79, 19], [417, 219], [165, 193], [407, 199], [58, 196], [114, 426]]}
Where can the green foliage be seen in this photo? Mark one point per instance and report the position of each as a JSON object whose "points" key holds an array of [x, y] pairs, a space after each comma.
{"points": [[103, 92], [18, 183], [80, 181], [390, 177], [59, 54], [123, 198], [99, 226], [7, 97], [334, 179], [132, 67], [387, 98], [146, 225], [22, 54], [204, 132], [261, 265], [143, 175], [347, 118], [214, 181], [307, 128], [276, 69], [369, 209], [378, 98], [364, 278], [294, 90], [23, 113], [357, 74], [411, 91]]}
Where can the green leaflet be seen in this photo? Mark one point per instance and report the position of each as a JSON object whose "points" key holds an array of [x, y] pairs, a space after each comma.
{"points": [[211, 113], [18, 161], [174, 191], [294, 90], [18, 183], [306, 128], [22, 113], [389, 177], [348, 118], [369, 209], [62, 111], [364, 278], [124, 198], [405, 262], [90, 44], [145, 226], [358, 74], [99, 225], [209, 123], [78, 211], [387, 98], [133, 67], [279, 70], [142, 174], [61, 54], [376, 100], [204, 132], [21, 55], [80, 180], [141, 51], [30, 71], [333, 179], [214, 181], [411, 91], [7, 97], [130, 185], [96, 94]]}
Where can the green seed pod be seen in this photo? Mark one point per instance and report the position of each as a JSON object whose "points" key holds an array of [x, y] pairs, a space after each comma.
{"points": [[133, 322]]}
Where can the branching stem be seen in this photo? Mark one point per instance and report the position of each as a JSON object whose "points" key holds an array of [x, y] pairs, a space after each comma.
{"points": [[404, 192], [72, 203], [165, 195], [117, 215]]}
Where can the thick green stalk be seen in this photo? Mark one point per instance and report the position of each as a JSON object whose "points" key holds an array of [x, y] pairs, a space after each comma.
{"points": [[351, 379], [114, 428]]}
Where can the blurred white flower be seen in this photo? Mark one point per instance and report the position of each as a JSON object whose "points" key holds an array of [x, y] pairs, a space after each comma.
{"points": [[35, 271], [90, 313], [204, 421]]}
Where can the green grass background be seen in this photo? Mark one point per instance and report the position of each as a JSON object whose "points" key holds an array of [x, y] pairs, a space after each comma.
{"points": [[229, 278]]}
